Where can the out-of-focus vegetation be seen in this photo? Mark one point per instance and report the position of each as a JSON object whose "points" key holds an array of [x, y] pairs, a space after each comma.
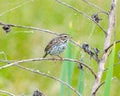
{"points": [[23, 44]]}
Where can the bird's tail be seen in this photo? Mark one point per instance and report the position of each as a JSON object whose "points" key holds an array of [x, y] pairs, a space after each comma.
{"points": [[45, 55]]}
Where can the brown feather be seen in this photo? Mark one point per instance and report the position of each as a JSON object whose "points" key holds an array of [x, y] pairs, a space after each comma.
{"points": [[51, 43], [62, 38]]}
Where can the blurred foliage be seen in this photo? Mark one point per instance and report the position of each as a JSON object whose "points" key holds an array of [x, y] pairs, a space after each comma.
{"points": [[23, 44]]}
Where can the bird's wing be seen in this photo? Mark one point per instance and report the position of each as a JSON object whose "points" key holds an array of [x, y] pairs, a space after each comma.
{"points": [[51, 43]]}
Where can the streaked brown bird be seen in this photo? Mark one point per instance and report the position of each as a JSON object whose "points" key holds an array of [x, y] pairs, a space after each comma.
{"points": [[57, 45]]}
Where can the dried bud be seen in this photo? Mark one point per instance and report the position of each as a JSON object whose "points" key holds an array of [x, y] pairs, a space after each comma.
{"points": [[80, 66], [7, 28], [96, 50], [96, 18], [91, 53], [85, 47], [38, 93]]}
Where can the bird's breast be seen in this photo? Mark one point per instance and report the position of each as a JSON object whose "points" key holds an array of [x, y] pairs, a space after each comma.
{"points": [[57, 49]]}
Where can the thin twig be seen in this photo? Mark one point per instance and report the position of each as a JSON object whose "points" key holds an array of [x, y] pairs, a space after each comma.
{"points": [[85, 15], [51, 77], [76, 44], [112, 45], [106, 45], [8, 61], [47, 59], [37, 29], [43, 30], [98, 87], [95, 6], [6, 92], [28, 27]]}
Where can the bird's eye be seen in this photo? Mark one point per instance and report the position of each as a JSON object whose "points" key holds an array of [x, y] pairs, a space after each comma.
{"points": [[65, 36]]}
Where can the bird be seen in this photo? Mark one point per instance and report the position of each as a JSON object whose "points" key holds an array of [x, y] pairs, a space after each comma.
{"points": [[57, 45]]}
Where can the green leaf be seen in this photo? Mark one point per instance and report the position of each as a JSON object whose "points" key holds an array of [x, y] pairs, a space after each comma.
{"points": [[81, 82], [67, 70], [81, 78]]}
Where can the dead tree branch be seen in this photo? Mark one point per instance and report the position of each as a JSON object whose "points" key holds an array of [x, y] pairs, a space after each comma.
{"points": [[51, 77], [111, 23], [7, 28], [28, 27], [112, 45], [98, 87], [82, 13], [95, 6], [47, 59]]}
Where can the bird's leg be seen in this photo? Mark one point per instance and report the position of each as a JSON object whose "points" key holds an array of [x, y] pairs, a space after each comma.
{"points": [[61, 59], [54, 59]]}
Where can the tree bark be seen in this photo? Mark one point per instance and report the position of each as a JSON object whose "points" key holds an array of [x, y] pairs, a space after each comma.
{"points": [[102, 62]]}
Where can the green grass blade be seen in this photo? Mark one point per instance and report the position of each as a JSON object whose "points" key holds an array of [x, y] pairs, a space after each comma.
{"points": [[63, 78], [70, 68], [81, 79], [81, 82], [109, 73], [67, 71]]}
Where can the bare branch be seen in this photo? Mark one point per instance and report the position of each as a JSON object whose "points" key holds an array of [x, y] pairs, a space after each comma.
{"points": [[98, 87], [112, 45], [47, 59], [6, 92], [37, 29], [76, 44], [85, 15], [5, 27], [93, 52], [28, 27], [106, 45], [51, 77], [95, 6]]}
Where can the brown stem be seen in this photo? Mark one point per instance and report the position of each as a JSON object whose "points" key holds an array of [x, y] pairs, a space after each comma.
{"points": [[112, 45], [85, 15], [42, 30], [37, 29], [28, 27], [98, 87], [95, 6], [47, 59], [50, 76], [106, 45]]}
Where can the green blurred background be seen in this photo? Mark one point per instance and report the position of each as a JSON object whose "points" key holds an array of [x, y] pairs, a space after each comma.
{"points": [[23, 43]]}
